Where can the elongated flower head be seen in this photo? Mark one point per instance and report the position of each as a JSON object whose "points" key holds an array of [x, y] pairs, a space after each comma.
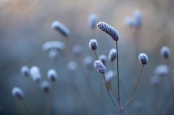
{"points": [[138, 18], [72, 65], [161, 70], [109, 30], [17, 92], [99, 66], [155, 80], [58, 45], [165, 52], [45, 86], [77, 50], [103, 59], [93, 45], [88, 61], [35, 73], [25, 71], [112, 55], [61, 28], [143, 58], [53, 54], [129, 21], [52, 75], [92, 21]]}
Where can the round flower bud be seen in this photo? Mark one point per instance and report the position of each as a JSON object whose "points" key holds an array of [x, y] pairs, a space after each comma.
{"points": [[109, 30], [109, 76], [17, 92], [35, 73], [112, 55], [53, 54], [143, 58], [162, 70], [129, 21], [138, 18], [99, 66], [61, 28], [88, 61], [72, 65], [52, 75], [93, 45], [25, 71], [77, 50], [56, 45], [92, 20], [103, 59], [138, 105], [155, 80], [45, 86], [165, 52]]}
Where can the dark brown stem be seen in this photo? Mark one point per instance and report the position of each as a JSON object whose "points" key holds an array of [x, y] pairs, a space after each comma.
{"points": [[96, 55]]}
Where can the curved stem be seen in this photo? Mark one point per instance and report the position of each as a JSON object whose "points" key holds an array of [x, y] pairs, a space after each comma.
{"points": [[134, 90], [96, 55]]}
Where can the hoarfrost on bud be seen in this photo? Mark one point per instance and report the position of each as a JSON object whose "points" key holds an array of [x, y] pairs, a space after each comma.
{"points": [[25, 71], [93, 45], [161, 70], [103, 59], [92, 21], [45, 86], [61, 28], [138, 104], [72, 65], [165, 52], [58, 45], [88, 61], [112, 54], [109, 30], [99, 66], [35, 73], [17, 92], [143, 58], [138, 18], [77, 50], [129, 21], [109, 75], [155, 80], [53, 54], [52, 75]]}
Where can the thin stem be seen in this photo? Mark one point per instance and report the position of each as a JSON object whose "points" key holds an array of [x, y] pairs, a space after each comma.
{"points": [[154, 107], [134, 90], [95, 54], [25, 106], [101, 94], [115, 87]]}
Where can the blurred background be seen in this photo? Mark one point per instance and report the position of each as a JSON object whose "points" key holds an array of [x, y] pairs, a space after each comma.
{"points": [[25, 26]]}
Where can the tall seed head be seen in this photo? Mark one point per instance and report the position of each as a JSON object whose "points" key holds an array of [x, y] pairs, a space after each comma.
{"points": [[17, 92], [88, 61], [129, 21], [93, 45], [52, 75], [35, 73], [25, 71], [103, 59], [45, 86], [165, 52], [56, 45], [162, 70], [143, 58], [92, 21], [112, 55], [138, 18], [99, 66]]}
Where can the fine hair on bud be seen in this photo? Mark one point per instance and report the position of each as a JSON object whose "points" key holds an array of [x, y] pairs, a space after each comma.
{"points": [[92, 21], [72, 65], [18, 93], [165, 52], [35, 73], [99, 66], [55, 45], [61, 28], [103, 59], [45, 86], [52, 75], [129, 21], [88, 61], [112, 55], [161, 70], [155, 80], [138, 18], [53, 54], [109, 30], [93, 45], [143, 58], [25, 71], [77, 50], [138, 104]]}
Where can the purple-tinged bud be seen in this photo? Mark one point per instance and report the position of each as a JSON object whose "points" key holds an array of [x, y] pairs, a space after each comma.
{"points": [[35, 73], [72, 65], [165, 52], [93, 45], [77, 50], [109, 30], [138, 105], [99, 66], [92, 21], [88, 61], [112, 55], [25, 71], [53, 54], [61, 28], [45, 86], [161, 70], [138, 18], [52, 75], [155, 80], [103, 59], [56, 45], [17, 92], [129, 21], [143, 58]]}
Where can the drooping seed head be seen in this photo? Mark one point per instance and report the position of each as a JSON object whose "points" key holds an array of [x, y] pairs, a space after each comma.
{"points": [[77, 50], [52, 75], [92, 21], [138, 104], [129, 21], [109, 30], [165, 52], [112, 55], [103, 59], [138, 18], [99, 66], [61, 28], [155, 80], [17, 92], [88, 61], [35, 73], [53, 54], [58, 45], [45, 86], [93, 45], [143, 58], [72, 65], [161, 70], [25, 71]]}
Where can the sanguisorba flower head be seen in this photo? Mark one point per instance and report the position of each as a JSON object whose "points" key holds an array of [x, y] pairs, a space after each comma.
{"points": [[155, 80], [61, 28], [112, 55], [17, 92], [92, 21], [165, 52], [52, 75], [53, 45], [138, 18], [72, 65], [88, 61], [35, 73], [103, 59], [143, 58], [109, 30], [25, 71], [161, 70], [129, 21], [45, 86], [99, 66], [77, 50], [93, 45]]}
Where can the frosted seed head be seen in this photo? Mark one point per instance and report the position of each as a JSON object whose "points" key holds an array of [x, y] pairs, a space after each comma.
{"points": [[165, 52], [88, 61], [61, 28], [155, 80], [112, 55], [45, 86], [129, 21], [53, 55], [161, 70], [138, 105], [93, 45], [52, 75], [99, 66], [25, 71], [143, 58], [92, 21], [77, 50], [35, 73], [109, 75], [72, 65], [17, 92], [56, 45], [109, 30], [103, 59], [138, 18]]}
